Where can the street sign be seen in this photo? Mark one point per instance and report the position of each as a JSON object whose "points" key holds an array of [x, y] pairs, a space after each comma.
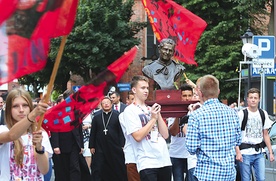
{"points": [[267, 71], [123, 85], [263, 63], [266, 45], [124, 89]]}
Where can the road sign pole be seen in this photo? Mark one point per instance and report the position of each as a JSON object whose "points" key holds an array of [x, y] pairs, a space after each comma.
{"points": [[240, 72], [239, 98], [262, 89], [266, 45]]}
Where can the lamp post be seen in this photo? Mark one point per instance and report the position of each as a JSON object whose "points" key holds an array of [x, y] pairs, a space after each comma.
{"points": [[247, 38]]}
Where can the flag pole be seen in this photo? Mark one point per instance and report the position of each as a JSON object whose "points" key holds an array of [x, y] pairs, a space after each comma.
{"points": [[53, 77]]}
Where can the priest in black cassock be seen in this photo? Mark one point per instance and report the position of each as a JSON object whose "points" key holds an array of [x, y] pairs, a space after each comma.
{"points": [[106, 145]]}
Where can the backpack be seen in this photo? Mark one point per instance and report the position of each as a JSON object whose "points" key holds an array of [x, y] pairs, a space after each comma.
{"points": [[245, 117]]}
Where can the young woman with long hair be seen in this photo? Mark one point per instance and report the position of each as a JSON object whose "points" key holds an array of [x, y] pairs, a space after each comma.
{"points": [[23, 150]]}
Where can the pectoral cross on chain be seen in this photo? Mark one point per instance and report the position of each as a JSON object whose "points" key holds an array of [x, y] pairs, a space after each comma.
{"points": [[105, 131]]}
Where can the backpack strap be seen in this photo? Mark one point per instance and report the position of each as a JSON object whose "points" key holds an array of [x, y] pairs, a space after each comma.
{"points": [[245, 117], [262, 115]]}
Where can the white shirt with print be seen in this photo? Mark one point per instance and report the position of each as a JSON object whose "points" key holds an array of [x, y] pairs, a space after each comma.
{"points": [[150, 154], [253, 132], [10, 170]]}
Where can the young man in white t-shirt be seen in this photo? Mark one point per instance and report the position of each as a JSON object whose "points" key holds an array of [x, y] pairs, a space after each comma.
{"points": [[130, 158], [178, 152], [149, 131], [254, 136]]}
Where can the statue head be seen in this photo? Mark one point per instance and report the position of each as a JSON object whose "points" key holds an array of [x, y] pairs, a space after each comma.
{"points": [[166, 49]]}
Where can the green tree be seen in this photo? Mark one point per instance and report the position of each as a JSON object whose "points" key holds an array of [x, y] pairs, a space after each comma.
{"points": [[219, 49], [103, 31]]}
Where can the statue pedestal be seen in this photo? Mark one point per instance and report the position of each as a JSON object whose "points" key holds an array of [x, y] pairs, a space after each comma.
{"points": [[169, 95], [171, 103]]}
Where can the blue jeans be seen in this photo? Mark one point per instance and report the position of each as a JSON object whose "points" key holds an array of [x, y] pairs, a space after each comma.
{"points": [[258, 163], [47, 176], [190, 175], [179, 167]]}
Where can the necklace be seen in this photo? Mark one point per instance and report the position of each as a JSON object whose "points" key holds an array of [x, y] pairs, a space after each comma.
{"points": [[147, 109], [105, 126]]}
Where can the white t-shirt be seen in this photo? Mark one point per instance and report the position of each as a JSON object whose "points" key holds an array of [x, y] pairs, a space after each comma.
{"points": [[192, 159], [128, 150], [253, 132], [87, 121], [150, 154], [177, 146], [29, 170]]}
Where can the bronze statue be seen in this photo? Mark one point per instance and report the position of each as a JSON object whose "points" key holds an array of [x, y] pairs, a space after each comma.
{"points": [[164, 71]]}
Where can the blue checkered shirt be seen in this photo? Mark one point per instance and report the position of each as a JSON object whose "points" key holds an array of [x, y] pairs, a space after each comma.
{"points": [[213, 132]]}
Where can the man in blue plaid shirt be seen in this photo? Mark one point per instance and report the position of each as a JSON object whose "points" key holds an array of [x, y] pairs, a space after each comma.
{"points": [[213, 134]]}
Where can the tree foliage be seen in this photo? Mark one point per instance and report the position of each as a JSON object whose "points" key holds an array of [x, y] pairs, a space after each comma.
{"points": [[103, 31], [219, 49]]}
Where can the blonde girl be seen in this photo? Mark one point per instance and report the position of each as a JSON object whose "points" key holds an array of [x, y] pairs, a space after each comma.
{"points": [[23, 150]]}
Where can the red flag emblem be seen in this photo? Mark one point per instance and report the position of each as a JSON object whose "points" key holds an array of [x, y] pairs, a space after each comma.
{"points": [[70, 113], [170, 20], [6, 9], [26, 28]]}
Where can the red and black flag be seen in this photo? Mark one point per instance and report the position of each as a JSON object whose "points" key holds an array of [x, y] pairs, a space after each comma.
{"points": [[26, 28], [70, 113], [170, 20]]}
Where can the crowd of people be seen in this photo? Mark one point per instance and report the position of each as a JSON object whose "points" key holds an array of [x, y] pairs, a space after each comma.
{"points": [[206, 144], [128, 142]]}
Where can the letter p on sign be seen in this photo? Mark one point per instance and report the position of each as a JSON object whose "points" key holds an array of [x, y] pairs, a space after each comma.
{"points": [[266, 46]]}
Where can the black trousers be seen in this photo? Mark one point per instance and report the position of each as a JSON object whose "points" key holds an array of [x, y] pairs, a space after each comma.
{"points": [[67, 166], [156, 174]]}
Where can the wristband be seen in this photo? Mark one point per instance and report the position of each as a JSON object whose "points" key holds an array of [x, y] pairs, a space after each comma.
{"points": [[41, 151], [29, 119]]}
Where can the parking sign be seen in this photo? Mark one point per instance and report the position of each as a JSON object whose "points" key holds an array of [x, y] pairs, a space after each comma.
{"points": [[266, 45]]}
